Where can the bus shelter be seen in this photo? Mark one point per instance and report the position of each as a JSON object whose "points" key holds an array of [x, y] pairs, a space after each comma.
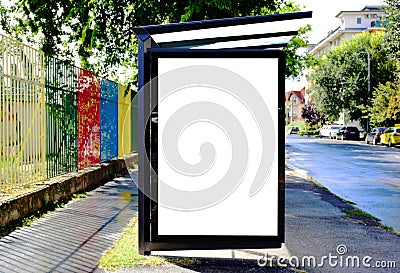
{"points": [[211, 132]]}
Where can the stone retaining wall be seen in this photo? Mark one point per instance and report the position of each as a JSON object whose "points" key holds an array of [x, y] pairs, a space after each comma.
{"points": [[89, 178]]}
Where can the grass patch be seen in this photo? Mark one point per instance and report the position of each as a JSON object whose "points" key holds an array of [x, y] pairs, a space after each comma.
{"points": [[387, 228], [359, 213], [124, 253], [27, 221], [391, 229], [20, 190]]}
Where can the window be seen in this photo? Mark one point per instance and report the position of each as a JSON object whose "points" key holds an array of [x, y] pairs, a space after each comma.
{"points": [[358, 20]]}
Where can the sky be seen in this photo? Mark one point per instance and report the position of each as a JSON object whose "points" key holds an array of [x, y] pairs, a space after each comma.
{"points": [[324, 20]]}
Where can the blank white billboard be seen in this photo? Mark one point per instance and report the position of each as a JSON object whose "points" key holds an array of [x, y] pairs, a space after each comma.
{"points": [[218, 146]]}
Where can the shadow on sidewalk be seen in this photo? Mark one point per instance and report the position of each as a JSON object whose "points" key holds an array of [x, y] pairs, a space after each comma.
{"points": [[72, 239]]}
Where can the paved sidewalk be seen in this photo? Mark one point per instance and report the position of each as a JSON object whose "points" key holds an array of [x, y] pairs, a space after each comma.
{"points": [[72, 239], [315, 226]]}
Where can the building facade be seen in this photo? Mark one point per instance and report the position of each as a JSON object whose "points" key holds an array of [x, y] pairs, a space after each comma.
{"points": [[295, 101], [370, 18]]}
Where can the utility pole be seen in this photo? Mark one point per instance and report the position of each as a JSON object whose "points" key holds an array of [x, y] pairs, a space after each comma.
{"points": [[291, 110]]}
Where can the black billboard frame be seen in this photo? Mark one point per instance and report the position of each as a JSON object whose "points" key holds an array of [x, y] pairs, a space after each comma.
{"points": [[148, 213], [148, 47]]}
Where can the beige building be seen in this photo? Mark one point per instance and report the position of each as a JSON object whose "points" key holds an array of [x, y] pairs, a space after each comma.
{"points": [[370, 18]]}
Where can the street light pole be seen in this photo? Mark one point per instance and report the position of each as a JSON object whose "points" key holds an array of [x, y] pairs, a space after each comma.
{"points": [[291, 110], [369, 81]]}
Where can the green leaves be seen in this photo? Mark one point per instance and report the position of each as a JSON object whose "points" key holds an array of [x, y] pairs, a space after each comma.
{"points": [[295, 62], [100, 32], [392, 37], [341, 77], [385, 109], [342, 74]]}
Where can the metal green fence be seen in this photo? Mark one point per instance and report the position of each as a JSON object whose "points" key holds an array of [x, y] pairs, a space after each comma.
{"points": [[56, 118], [62, 117]]}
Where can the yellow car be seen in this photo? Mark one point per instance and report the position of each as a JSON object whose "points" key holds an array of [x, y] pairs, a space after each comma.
{"points": [[391, 136]]}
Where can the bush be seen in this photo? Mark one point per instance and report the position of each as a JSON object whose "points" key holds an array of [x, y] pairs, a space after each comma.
{"points": [[310, 132], [299, 123]]}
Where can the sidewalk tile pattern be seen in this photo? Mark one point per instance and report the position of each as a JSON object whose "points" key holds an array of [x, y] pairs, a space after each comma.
{"points": [[73, 238]]}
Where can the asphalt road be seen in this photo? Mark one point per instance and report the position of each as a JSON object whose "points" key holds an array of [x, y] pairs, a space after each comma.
{"points": [[364, 174]]}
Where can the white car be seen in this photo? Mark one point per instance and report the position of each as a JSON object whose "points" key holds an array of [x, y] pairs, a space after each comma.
{"points": [[329, 131]]}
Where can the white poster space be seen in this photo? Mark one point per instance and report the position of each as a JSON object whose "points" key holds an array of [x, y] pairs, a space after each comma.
{"points": [[211, 147]]}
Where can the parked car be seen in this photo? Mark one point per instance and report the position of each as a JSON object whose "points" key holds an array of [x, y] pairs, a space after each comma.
{"points": [[391, 136], [293, 130], [329, 131], [374, 136], [348, 132]]}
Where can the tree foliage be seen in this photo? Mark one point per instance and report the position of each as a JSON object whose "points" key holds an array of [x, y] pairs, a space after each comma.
{"points": [[385, 108], [296, 63], [341, 77], [312, 116], [101, 32], [392, 36]]}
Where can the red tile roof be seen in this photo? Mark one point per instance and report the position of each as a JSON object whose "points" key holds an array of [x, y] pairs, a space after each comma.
{"points": [[300, 94]]}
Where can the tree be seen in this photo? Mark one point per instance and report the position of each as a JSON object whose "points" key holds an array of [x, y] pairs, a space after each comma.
{"points": [[340, 79], [394, 105], [101, 32], [311, 115], [296, 63], [392, 35], [385, 109]]}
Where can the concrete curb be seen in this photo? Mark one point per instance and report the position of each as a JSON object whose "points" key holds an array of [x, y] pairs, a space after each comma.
{"points": [[61, 187], [304, 174], [298, 172], [350, 206]]}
